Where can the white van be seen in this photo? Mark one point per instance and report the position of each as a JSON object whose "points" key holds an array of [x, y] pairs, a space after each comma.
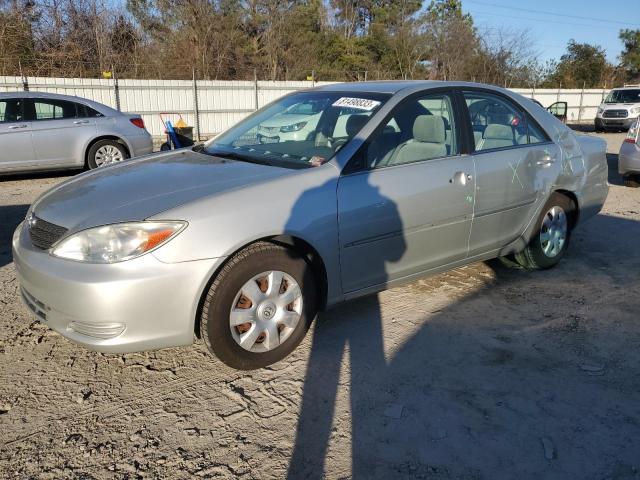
{"points": [[619, 109]]}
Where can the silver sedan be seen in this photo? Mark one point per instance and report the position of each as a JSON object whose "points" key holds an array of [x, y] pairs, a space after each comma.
{"points": [[46, 131], [629, 157], [243, 240]]}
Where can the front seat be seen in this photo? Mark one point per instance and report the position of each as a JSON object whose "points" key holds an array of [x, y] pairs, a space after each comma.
{"points": [[429, 141], [353, 125], [497, 136]]}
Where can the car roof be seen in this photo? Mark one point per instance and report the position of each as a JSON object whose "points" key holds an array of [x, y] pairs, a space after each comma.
{"points": [[104, 109], [395, 86]]}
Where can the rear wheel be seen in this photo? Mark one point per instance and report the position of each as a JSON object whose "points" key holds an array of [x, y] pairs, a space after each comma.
{"points": [[259, 307], [105, 152], [549, 244], [632, 181]]}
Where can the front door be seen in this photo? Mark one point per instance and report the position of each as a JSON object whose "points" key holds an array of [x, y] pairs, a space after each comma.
{"points": [[16, 148], [559, 110], [409, 205]]}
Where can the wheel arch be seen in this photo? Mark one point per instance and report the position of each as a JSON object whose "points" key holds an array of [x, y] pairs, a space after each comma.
{"points": [[115, 138], [575, 216], [296, 243]]}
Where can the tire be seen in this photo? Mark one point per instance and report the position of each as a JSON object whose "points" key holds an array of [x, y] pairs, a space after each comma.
{"points": [[166, 146], [114, 152], [541, 254], [228, 291], [632, 181]]}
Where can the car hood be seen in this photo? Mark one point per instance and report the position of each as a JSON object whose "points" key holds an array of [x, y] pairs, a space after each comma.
{"points": [[138, 189]]}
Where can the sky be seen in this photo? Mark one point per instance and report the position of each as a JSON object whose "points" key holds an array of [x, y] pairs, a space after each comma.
{"points": [[555, 22]]}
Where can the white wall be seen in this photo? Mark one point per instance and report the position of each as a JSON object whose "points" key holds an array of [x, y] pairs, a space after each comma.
{"points": [[223, 103]]}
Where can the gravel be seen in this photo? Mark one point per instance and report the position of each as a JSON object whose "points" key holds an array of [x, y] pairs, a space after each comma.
{"points": [[482, 372]]}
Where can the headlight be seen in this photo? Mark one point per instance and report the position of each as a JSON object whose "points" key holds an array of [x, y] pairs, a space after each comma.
{"points": [[116, 243], [293, 128], [635, 110]]}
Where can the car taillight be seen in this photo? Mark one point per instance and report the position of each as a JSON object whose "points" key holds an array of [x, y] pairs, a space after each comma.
{"points": [[632, 136], [138, 122]]}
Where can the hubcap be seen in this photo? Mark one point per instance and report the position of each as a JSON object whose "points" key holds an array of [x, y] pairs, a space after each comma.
{"points": [[265, 311], [108, 154], [553, 232]]}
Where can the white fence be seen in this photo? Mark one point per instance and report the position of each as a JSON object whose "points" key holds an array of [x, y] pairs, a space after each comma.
{"points": [[212, 106]]}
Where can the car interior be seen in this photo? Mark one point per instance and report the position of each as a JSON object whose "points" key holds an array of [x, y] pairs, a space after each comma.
{"points": [[11, 110], [420, 130]]}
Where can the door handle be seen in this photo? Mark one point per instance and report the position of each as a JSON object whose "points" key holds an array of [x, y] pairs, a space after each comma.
{"points": [[15, 127], [461, 178], [546, 161], [80, 122]]}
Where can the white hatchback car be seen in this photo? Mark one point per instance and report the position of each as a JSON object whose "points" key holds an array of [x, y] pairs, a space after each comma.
{"points": [[45, 131]]}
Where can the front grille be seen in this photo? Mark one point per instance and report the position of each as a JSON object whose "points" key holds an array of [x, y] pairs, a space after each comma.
{"points": [[615, 114], [44, 234], [268, 130]]}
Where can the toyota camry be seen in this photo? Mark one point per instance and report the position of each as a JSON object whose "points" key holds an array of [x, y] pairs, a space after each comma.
{"points": [[241, 241]]}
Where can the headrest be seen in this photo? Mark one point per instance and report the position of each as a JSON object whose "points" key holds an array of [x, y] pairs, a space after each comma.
{"points": [[497, 131], [355, 123], [429, 128]]}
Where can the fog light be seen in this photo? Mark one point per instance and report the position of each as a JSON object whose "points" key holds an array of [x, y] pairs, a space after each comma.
{"points": [[101, 330]]}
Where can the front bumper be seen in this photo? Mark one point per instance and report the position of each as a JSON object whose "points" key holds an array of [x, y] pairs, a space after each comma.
{"points": [[604, 123], [140, 304], [629, 159]]}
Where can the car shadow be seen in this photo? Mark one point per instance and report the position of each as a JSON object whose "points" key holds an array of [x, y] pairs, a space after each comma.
{"points": [[614, 176], [508, 377], [10, 218], [10, 177]]}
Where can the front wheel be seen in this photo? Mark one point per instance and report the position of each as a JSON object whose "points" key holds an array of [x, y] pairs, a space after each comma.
{"points": [[551, 239], [259, 307]]}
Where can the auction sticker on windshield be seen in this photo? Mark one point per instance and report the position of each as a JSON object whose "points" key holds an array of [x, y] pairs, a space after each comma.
{"points": [[359, 103]]}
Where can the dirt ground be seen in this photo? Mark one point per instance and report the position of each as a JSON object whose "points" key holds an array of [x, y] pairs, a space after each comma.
{"points": [[481, 372]]}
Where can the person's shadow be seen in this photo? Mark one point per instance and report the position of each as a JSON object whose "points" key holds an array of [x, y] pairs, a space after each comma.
{"points": [[366, 352]]}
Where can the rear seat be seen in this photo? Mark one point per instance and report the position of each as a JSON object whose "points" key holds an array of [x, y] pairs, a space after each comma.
{"points": [[497, 135]]}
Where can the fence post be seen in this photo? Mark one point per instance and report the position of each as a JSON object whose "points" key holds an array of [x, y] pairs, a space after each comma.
{"points": [[313, 78], [196, 110], [255, 87], [558, 95], [116, 88], [365, 75], [25, 82], [581, 98]]}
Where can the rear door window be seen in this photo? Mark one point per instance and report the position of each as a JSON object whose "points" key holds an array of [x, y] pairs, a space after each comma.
{"points": [[496, 122], [51, 109]]}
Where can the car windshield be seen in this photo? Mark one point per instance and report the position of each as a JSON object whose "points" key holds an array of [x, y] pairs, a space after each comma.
{"points": [[304, 129], [623, 96]]}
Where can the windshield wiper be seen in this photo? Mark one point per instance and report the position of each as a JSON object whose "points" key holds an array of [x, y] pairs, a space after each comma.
{"points": [[233, 156]]}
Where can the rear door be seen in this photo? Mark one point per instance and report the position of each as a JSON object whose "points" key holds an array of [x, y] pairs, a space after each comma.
{"points": [[516, 165], [60, 131], [16, 148], [405, 202]]}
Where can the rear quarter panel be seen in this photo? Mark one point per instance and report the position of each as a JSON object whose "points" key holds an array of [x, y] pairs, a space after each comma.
{"points": [[594, 187]]}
